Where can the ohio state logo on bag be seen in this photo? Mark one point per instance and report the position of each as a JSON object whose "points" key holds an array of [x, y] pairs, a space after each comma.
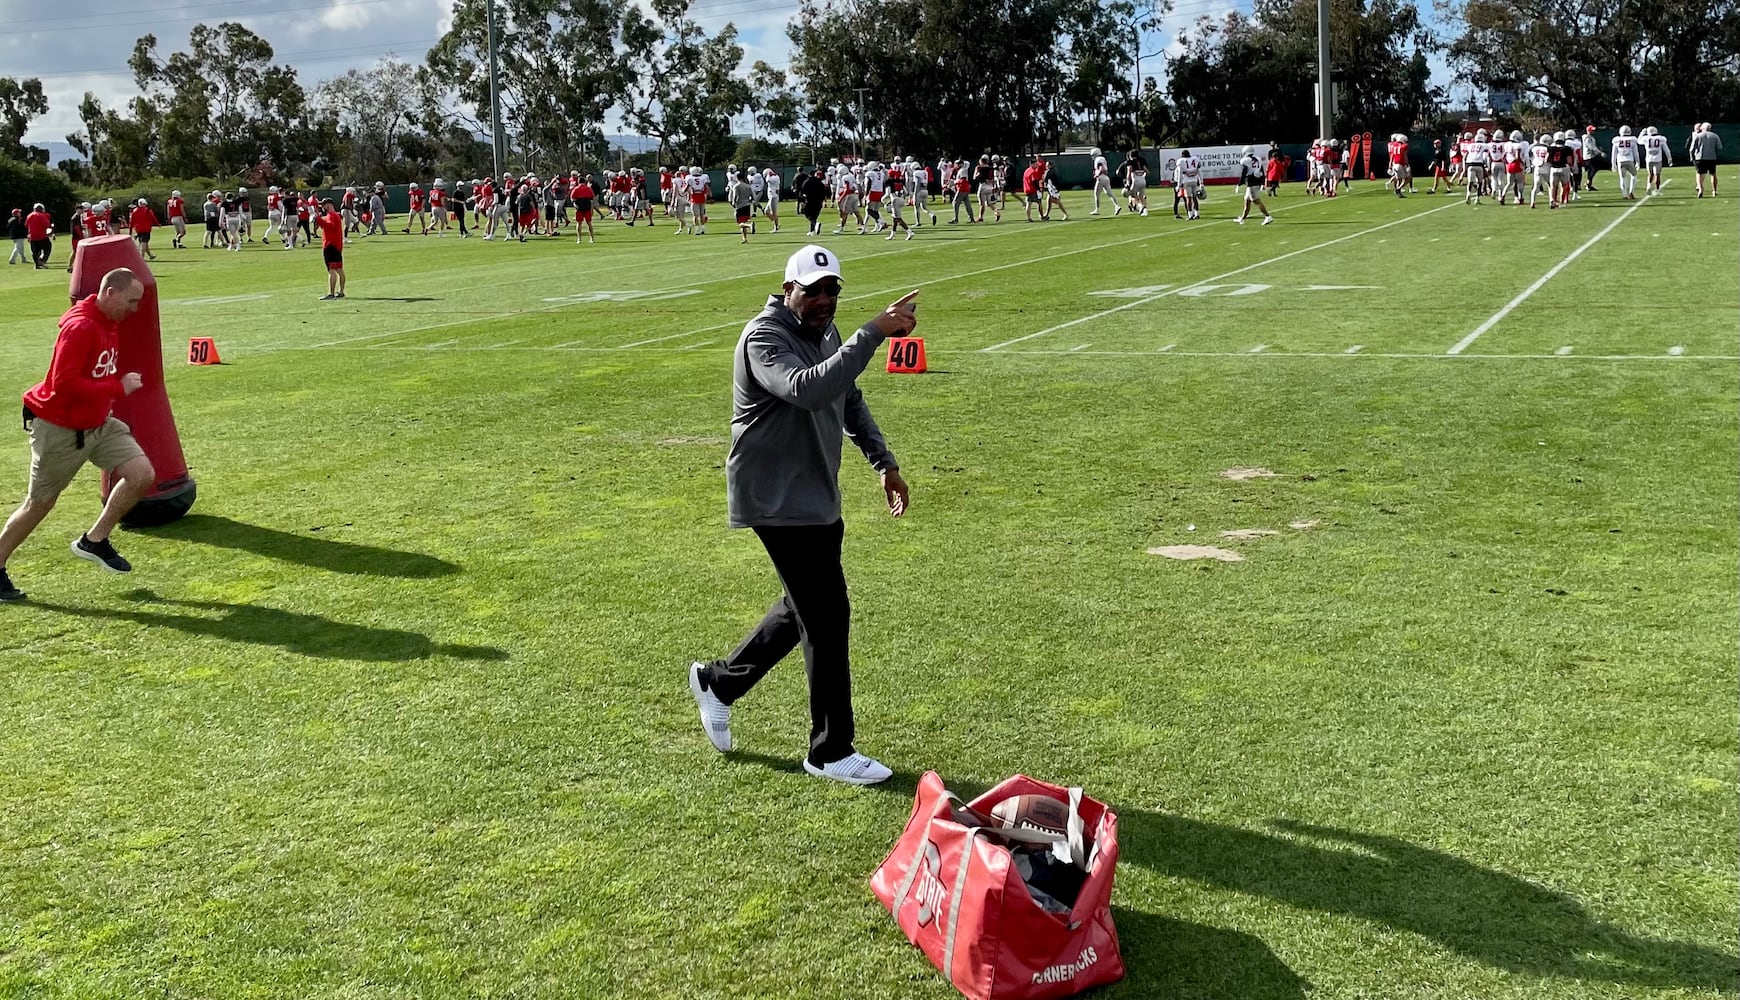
{"points": [[929, 891]]}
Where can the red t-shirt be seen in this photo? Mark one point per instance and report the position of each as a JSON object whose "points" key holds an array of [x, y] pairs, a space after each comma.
{"points": [[437, 198], [416, 199], [1030, 180], [37, 225], [176, 208], [332, 231], [84, 378], [583, 192], [1398, 152], [141, 219]]}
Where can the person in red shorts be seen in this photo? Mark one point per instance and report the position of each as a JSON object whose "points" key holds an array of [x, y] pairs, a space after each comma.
{"points": [[583, 193], [70, 418], [332, 248]]}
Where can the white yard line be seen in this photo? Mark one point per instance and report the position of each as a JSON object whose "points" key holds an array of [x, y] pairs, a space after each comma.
{"points": [[1132, 304], [773, 268], [1081, 347], [1260, 348], [1344, 355], [1493, 320], [1677, 351], [1162, 352], [900, 289]]}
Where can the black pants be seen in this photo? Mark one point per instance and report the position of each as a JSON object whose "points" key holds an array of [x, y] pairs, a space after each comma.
{"points": [[39, 251], [815, 613], [812, 211], [460, 215]]}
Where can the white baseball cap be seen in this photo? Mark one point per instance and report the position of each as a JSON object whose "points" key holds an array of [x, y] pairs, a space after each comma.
{"points": [[812, 263]]}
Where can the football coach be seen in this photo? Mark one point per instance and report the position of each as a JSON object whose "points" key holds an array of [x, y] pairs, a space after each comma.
{"points": [[793, 395]]}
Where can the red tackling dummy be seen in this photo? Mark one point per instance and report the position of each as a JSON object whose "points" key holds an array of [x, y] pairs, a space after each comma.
{"points": [[141, 350]]}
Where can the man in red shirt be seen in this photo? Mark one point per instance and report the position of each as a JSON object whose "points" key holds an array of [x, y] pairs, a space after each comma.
{"points": [[141, 220], [1030, 179], [332, 248], [69, 415], [37, 226]]}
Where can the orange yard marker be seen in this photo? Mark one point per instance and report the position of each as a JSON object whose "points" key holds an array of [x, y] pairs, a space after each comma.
{"points": [[906, 355], [202, 351]]}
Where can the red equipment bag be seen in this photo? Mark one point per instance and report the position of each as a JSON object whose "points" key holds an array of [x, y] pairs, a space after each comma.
{"points": [[955, 890]]}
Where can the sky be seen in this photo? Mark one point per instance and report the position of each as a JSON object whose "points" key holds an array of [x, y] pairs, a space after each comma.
{"points": [[323, 38]]}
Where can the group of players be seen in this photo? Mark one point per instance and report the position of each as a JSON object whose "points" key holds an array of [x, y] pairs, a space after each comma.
{"points": [[1559, 163], [873, 196]]}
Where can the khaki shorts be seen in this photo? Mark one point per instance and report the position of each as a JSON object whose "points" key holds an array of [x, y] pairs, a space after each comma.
{"points": [[55, 457]]}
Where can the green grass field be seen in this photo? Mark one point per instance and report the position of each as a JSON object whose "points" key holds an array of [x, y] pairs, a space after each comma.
{"points": [[400, 709]]}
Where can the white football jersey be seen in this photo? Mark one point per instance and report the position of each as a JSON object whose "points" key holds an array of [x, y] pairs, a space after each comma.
{"points": [[1100, 169], [1655, 148], [1624, 149], [1538, 152]]}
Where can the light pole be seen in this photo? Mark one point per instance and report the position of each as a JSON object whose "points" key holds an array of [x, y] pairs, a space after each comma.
{"points": [[858, 138], [1325, 89], [497, 145]]}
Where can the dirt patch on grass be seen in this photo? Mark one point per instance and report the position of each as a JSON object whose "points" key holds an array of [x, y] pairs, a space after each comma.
{"points": [[974, 293], [704, 439], [1196, 552], [1248, 473], [1302, 525], [1246, 534]]}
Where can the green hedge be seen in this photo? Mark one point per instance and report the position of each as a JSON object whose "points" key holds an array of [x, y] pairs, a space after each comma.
{"points": [[25, 184], [156, 191]]}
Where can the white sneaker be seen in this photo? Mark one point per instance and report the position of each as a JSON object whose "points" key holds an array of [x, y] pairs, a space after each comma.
{"points": [[715, 714], [1240, 220], [853, 769], [1268, 219]]}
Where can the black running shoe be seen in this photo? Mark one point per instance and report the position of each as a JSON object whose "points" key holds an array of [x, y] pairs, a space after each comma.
{"points": [[7, 591], [102, 553]]}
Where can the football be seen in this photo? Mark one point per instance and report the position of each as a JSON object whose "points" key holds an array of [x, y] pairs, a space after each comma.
{"points": [[1032, 812]]}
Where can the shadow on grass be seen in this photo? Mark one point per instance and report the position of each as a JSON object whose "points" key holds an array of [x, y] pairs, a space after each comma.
{"points": [[1486, 915], [295, 632], [1197, 961], [391, 298], [304, 550]]}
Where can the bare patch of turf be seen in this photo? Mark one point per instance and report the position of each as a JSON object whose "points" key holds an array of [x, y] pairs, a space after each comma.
{"points": [[1196, 552]]}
